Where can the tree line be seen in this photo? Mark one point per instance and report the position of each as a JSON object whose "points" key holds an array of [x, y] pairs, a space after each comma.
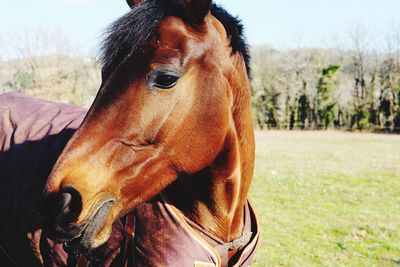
{"points": [[352, 89], [45, 63]]}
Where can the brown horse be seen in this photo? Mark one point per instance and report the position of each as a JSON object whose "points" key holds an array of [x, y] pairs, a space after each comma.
{"points": [[172, 116]]}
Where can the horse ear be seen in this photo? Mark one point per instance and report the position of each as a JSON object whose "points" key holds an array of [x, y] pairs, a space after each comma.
{"points": [[133, 3], [197, 10]]}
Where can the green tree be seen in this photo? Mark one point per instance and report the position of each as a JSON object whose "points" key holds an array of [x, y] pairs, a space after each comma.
{"points": [[324, 103]]}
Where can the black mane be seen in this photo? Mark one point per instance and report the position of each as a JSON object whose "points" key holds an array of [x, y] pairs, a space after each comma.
{"points": [[127, 34], [235, 31]]}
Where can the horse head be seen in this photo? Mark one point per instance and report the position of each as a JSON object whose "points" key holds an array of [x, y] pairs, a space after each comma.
{"points": [[174, 107]]}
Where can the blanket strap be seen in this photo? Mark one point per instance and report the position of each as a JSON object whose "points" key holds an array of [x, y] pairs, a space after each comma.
{"points": [[129, 237]]}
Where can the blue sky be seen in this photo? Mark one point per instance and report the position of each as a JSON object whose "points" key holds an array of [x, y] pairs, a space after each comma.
{"points": [[280, 23]]}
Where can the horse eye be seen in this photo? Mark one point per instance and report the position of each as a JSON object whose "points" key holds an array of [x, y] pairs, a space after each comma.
{"points": [[162, 79]]}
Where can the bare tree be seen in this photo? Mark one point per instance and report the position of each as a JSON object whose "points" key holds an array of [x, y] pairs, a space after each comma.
{"points": [[360, 45], [2, 48], [32, 44], [364, 74]]}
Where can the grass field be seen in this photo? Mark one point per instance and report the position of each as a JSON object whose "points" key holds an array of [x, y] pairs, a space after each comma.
{"points": [[327, 199]]}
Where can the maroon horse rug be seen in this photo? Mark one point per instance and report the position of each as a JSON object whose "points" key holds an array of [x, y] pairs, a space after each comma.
{"points": [[157, 171]]}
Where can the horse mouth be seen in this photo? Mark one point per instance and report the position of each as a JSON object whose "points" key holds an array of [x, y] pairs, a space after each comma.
{"points": [[83, 241]]}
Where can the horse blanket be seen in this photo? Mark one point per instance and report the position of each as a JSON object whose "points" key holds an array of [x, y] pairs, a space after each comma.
{"points": [[33, 133]]}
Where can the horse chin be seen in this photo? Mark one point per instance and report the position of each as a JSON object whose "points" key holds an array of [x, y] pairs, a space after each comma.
{"points": [[94, 232]]}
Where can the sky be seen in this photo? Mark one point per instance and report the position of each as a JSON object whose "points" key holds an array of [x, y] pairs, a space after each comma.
{"points": [[279, 23]]}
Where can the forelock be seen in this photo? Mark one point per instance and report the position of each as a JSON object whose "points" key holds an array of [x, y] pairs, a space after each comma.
{"points": [[133, 30]]}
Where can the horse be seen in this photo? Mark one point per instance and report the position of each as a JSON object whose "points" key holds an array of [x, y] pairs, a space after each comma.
{"points": [[160, 164]]}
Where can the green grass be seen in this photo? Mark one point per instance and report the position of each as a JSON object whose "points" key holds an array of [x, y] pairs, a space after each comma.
{"points": [[327, 199]]}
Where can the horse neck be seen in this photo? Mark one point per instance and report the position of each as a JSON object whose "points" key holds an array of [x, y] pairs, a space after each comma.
{"points": [[215, 197]]}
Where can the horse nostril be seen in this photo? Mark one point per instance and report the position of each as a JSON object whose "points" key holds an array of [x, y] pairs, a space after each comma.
{"points": [[62, 207]]}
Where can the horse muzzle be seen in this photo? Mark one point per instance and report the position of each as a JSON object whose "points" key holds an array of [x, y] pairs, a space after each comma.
{"points": [[59, 213]]}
